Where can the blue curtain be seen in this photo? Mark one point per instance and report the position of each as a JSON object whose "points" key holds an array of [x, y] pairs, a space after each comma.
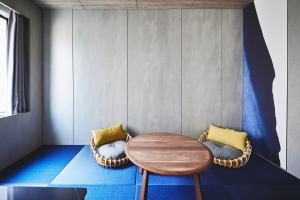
{"points": [[259, 111]]}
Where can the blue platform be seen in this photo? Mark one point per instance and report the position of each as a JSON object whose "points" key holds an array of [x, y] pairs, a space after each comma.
{"points": [[101, 183], [84, 170], [106, 192], [40, 167], [73, 166]]}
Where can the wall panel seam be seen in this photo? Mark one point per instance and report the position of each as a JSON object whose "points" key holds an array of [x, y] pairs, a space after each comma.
{"points": [[181, 71], [73, 124], [221, 66], [287, 91], [242, 94], [43, 85], [127, 69]]}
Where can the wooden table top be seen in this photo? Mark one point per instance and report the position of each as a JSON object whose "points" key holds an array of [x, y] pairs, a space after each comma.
{"points": [[168, 153]]}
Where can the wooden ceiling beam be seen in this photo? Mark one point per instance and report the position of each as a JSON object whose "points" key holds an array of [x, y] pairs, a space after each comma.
{"points": [[143, 4], [165, 4], [225, 4], [109, 4]]}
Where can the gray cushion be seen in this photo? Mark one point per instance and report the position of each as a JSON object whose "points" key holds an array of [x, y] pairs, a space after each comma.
{"points": [[222, 151], [114, 150]]}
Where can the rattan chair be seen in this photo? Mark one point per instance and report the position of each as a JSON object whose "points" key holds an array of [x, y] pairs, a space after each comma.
{"points": [[107, 162], [235, 163]]}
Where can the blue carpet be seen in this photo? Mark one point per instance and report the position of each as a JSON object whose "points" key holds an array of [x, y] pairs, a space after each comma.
{"points": [[110, 192], [73, 166], [258, 179], [157, 179], [264, 192], [168, 192], [162, 187], [257, 172], [106, 192], [40, 167], [84, 170], [184, 192], [209, 177]]}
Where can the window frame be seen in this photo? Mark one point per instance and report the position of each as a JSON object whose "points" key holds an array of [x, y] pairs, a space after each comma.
{"points": [[1, 16], [3, 114]]}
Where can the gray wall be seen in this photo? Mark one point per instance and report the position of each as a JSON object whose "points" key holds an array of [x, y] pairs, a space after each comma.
{"points": [[20, 134], [100, 91], [293, 125], [58, 73], [152, 70]]}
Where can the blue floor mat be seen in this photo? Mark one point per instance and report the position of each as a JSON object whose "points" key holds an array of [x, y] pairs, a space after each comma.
{"points": [[110, 192], [267, 192], [106, 192], [168, 192], [40, 167], [157, 179], [187, 192], [73, 166], [257, 172], [258, 179], [184, 192], [207, 178], [85, 171]]}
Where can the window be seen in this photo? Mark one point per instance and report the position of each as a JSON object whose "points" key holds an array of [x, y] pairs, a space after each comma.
{"points": [[14, 75], [3, 65]]}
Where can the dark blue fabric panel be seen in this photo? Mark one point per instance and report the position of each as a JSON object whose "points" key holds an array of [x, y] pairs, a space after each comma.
{"points": [[84, 170], [258, 111], [40, 167]]}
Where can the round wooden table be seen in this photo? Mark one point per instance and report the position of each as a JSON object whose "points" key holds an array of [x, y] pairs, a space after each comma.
{"points": [[168, 154]]}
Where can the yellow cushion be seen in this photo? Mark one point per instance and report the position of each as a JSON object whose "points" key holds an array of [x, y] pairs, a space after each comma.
{"points": [[108, 135], [227, 136]]}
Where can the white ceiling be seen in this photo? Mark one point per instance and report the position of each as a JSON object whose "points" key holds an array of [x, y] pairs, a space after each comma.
{"points": [[141, 4]]}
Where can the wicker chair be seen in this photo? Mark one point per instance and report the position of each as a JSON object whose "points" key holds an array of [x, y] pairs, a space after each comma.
{"points": [[107, 162], [235, 163]]}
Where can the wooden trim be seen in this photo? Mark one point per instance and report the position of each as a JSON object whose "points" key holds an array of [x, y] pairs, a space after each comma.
{"points": [[145, 4], [1, 16]]}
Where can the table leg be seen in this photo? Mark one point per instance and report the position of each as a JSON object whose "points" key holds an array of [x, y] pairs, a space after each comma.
{"points": [[143, 194], [140, 170], [197, 187]]}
